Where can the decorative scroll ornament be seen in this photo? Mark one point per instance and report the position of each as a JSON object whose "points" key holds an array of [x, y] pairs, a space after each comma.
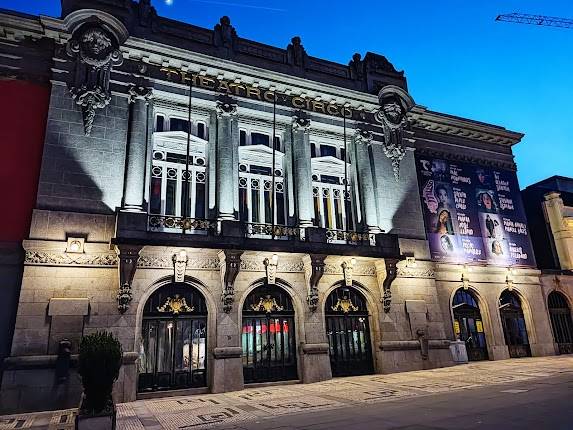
{"points": [[95, 51], [128, 257], [393, 118], [230, 262], [345, 305], [175, 305], [267, 304], [314, 269], [179, 266]]}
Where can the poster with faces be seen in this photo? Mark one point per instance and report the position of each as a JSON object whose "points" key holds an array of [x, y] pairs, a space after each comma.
{"points": [[473, 214]]}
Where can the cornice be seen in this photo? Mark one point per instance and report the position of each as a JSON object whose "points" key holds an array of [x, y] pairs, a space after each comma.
{"points": [[440, 123]]}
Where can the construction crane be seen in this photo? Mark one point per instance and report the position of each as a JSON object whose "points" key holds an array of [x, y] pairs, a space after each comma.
{"points": [[523, 18]]}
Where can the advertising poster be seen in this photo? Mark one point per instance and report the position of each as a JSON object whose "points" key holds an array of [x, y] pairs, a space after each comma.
{"points": [[473, 214]]}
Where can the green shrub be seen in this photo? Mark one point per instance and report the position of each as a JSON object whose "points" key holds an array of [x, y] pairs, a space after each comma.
{"points": [[99, 363]]}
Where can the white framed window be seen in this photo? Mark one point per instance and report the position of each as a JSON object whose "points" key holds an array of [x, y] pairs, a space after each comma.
{"points": [[171, 177], [178, 122], [249, 137]]}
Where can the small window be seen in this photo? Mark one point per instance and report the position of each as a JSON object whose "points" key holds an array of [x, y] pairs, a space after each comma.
{"points": [[243, 138], [312, 150], [327, 151], [178, 124], [160, 123], [260, 170], [277, 143], [327, 179], [200, 130], [260, 139]]}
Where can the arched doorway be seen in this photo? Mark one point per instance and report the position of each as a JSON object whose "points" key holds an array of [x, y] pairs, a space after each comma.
{"points": [[561, 323], [513, 322], [468, 324], [174, 339], [348, 332], [268, 336]]}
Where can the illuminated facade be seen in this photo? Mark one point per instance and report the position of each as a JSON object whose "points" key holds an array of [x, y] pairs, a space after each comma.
{"points": [[239, 213]]}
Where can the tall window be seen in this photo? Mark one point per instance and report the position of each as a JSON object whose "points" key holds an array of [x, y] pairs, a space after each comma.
{"points": [[255, 195], [332, 203], [178, 189]]}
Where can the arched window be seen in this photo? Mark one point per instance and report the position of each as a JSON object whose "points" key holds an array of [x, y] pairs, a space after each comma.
{"points": [[348, 332], [268, 335], [174, 339], [561, 323]]}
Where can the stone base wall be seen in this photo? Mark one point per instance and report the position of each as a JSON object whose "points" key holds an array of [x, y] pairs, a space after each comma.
{"points": [[413, 333]]}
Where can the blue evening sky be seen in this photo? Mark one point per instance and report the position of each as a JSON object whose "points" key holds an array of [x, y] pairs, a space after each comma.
{"points": [[457, 59]]}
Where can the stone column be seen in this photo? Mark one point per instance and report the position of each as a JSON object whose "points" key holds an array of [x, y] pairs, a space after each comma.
{"points": [[224, 161], [362, 141], [139, 98], [302, 170]]}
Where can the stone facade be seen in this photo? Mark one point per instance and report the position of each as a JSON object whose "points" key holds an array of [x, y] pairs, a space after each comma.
{"points": [[106, 129]]}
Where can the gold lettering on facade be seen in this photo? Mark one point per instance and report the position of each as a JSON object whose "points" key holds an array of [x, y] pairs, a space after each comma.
{"points": [[207, 82], [318, 106], [298, 102], [224, 86], [269, 96], [170, 72], [253, 92], [237, 88], [332, 109]]}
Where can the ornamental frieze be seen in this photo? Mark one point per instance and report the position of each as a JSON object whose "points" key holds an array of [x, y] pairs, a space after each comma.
{"points": [[252, 265], [165, 261], [50, 258], [409, 272], [359, 269]]}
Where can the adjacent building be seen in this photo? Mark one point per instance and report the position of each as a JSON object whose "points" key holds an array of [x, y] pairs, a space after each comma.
{"points": [[549, 207], [238, 213]]}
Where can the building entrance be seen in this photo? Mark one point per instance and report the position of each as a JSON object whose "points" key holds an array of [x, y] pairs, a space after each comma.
{"points": [[468, 324], [348, 332], [513, 323], [174, 340], [561, 322], [268, 336]]}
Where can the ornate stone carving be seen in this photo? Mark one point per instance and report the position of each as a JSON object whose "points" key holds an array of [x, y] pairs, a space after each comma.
{"points": [[345, 305], [348, 270], [143, 93], [356, 67], [226, 107], [95, 51], [175, 305], [296, 54], [300, 123], [179, 266], [314, 269], [392, 116], [225, 36], [64, 259], [423, 272], [164, 261], [267, 304], [362, 137], [271, 266], [230, 266], [386, 272], [128, 256]]}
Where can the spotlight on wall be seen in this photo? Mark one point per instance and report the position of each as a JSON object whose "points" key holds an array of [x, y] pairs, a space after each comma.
{"points": [[347, 268], [75, 245], [509, 279], [271, 268], [466, 277]]}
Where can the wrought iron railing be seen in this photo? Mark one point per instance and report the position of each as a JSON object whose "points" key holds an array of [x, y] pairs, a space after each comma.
{"points": [[186, 225], [272, 231], [350, 237]]}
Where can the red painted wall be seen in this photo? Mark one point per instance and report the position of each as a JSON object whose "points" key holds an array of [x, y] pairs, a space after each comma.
{"points": [[23, 115]]}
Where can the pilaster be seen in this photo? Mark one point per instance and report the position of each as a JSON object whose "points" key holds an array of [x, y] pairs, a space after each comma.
{"points": [[302, 170], [225, 189], [362, 140]]}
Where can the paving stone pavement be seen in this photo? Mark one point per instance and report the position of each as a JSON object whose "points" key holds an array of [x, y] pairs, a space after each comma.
{"points": [[211, 411]]}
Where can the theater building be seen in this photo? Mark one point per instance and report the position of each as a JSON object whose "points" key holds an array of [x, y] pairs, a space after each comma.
{"points": [[237, 213]]}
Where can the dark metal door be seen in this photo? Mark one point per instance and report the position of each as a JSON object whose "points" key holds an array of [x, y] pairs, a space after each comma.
{"points": [[173, 350], [173, 354], [561, 323], [468, 325], [348, 333], [268, 336], [513, 323]]}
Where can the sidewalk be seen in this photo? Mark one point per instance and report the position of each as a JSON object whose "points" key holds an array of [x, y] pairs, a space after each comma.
{"points": [[256, 405]]}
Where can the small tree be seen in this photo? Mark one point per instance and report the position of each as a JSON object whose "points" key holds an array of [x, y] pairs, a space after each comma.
{"points": [[99, 363]]}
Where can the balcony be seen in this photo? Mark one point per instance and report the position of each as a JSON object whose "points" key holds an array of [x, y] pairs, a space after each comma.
{"points": [[161, 230]]}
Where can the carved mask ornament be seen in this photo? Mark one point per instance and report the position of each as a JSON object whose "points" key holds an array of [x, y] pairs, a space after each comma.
{"points": [[392, 116], [95, 52]]}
